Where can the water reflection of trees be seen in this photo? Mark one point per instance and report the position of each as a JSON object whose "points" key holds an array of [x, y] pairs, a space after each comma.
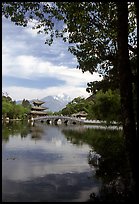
{"points": [[36, 132], [111, 166], [22, 128], [15, 128]]}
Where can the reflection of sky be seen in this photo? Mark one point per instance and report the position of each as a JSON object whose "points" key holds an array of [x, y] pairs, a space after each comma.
{"points": [[26, 159], [50, 154], [51, 188]]}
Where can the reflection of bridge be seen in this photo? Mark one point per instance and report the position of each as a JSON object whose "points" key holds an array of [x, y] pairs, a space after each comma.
{"points": [[56, 119]]}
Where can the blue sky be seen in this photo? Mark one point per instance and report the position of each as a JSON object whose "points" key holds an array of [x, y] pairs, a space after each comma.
{"points": [[31, 69]]}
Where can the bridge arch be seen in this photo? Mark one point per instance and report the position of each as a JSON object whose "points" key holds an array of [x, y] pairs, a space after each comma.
{"points": [[59, 119], [48, 121], [74, 122], [66, 122]]}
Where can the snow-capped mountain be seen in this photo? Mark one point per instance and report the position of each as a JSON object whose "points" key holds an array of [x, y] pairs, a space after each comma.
{"points": [[56, 103], [62, 97], [53, 103]]}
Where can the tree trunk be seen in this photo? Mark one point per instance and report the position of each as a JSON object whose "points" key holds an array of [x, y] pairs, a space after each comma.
{"points": [[124, 69]]}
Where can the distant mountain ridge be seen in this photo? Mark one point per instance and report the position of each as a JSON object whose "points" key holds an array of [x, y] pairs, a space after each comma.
{"points": [[53, 103], [56, 103]]}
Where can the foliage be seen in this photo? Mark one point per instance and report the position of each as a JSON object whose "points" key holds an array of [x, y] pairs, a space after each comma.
{"points": [[6, 107], [50, 113], [107, 106], [26, 104], [12, 110], [91, 30], [101, 106], [76, 105]]}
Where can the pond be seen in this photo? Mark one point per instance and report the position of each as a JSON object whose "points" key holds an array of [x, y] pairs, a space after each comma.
{"points": [[47, 163]]}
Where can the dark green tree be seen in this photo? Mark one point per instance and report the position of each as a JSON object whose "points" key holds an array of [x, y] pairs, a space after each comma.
{"points": [[26, 104], [76, 105], [107, 106]]}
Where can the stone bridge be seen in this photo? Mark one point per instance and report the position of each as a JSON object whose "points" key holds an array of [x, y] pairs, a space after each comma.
{"points": [[56, 119]]}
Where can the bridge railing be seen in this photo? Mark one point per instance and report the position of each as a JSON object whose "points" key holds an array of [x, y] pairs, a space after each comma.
{"points": [[58, 117]]}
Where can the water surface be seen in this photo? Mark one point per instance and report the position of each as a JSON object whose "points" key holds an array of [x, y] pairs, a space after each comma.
{"points": [[46, 163], [40, 164]]}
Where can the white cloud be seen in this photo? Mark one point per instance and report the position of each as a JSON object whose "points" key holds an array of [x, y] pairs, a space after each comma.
{"points": [[25, 56], [19, 93], [29, 67]]}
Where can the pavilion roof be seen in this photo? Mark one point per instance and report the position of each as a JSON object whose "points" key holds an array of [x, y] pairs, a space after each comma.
{"points": [[38, 102], [38, 112], [81, 113], [38, 108]]}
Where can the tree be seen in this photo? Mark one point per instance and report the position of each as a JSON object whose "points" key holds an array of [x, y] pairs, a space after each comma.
{"points": [[107, 106], [26, 104], [101, 35], [76, 105], [6, 108], [126, 93], [11, 109]]}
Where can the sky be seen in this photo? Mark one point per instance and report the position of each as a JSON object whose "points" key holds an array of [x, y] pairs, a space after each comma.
{"points": [[33, 70]]}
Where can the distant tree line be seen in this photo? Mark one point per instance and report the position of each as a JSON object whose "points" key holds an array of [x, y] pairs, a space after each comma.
{"points": [[12, 110], [101, 106]]}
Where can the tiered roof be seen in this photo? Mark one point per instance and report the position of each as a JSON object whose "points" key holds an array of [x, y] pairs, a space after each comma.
{"points": [[38, 102], [38, 112], [37, 109]]}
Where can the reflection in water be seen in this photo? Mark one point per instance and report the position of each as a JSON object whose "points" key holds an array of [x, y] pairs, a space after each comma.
{"points": [[44, 163], [36, 132], [52, 187], [46, 167], [108, 156]]}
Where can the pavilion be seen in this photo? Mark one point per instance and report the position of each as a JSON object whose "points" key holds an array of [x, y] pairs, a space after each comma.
{"points": [[81, 115], [37, 110]]}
